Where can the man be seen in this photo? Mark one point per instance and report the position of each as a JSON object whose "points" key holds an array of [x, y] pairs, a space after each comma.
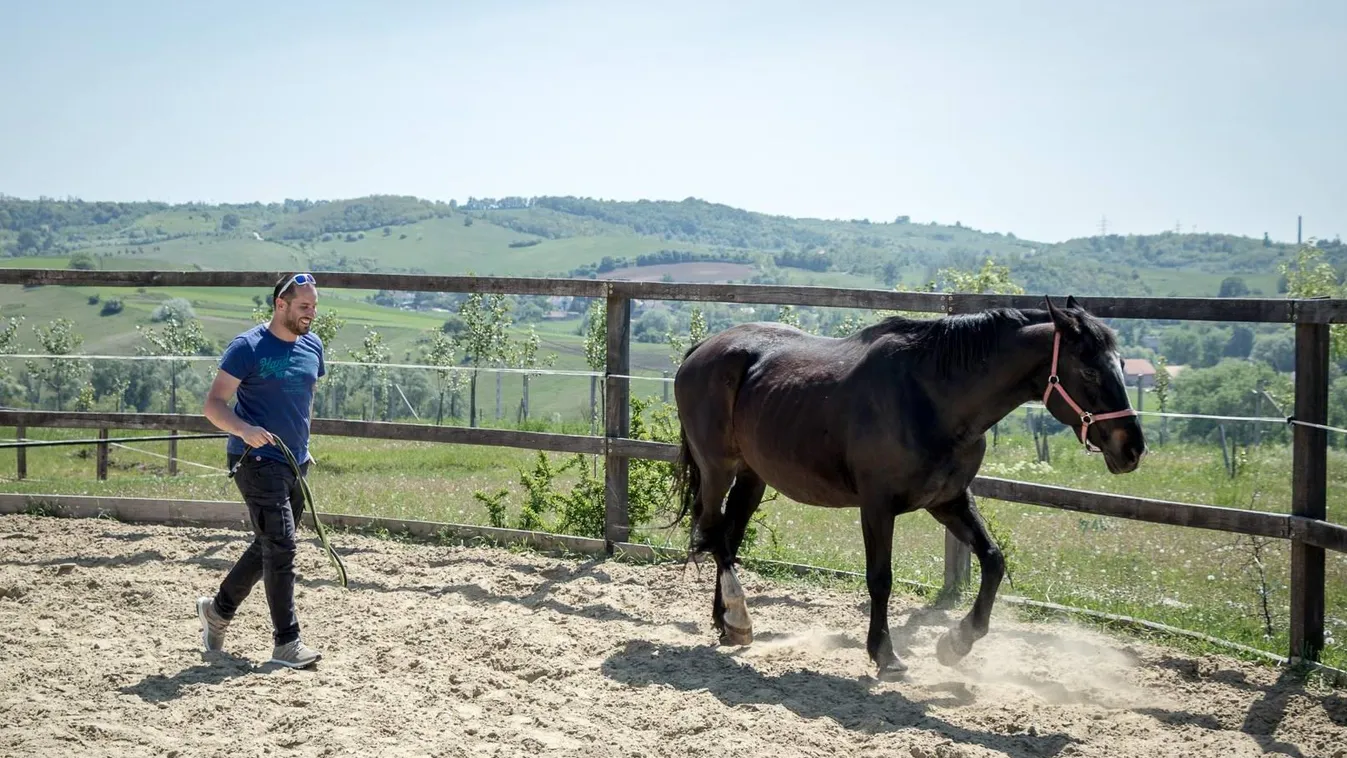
{"points": [[272, 368]]}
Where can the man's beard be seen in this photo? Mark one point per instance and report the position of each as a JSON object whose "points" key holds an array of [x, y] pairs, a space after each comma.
{"points": [[294, 325]]}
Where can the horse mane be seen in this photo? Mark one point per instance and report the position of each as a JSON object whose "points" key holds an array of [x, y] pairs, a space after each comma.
{"points": [[964, 342]]}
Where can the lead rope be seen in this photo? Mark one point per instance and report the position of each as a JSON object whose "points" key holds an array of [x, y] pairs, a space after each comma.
{"points": [[308, 500]]}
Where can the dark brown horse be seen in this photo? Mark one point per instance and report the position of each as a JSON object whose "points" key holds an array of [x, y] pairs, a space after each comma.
{"points": [[891, 419]]}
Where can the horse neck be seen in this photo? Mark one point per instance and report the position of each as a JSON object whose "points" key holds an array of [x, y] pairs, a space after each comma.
{"points": [[1016, 374]]}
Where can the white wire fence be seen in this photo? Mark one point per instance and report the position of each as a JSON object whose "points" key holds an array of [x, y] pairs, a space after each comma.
{"points": [[584, 373]]}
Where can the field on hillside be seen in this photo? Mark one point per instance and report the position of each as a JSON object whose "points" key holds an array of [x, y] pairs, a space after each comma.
{"points": [[707, 271], [1190, 578]]}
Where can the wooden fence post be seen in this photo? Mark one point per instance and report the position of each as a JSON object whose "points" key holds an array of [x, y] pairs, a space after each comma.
{"points": [[21, 453], [958, 565], [173, 455], [617, 418], [101, 457], [1309, 489]]}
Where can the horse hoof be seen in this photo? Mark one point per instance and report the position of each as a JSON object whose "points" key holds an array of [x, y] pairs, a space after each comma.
{"points": [[947, 649], [736, 637], [891, 671]]}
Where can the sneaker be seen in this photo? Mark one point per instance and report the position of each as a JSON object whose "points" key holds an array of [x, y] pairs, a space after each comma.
{"points": [[212, 625], [295, 654]]}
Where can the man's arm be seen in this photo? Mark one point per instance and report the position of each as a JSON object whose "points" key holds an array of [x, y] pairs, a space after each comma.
{"points": [[218, 411]]}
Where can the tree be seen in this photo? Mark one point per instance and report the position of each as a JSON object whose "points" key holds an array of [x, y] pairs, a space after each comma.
{"points": [[786, 314], [652, 326], [62, 375], [1162, 382], [175, 338], [373, 354], [176, 307], [484, 339], [1181, 346], [327, 325], [1309, 275], [1212, 345], [596, 353], [9, 345], [9, 339], [28, 241], [524, 355], [1233, 286], [890, 273], [113, 379], [697, 331], [990, 279], [1276, 350], [1226, 389], [1240, 344], [442, 354]]}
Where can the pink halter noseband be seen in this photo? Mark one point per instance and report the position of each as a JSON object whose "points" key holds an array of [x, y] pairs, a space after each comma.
{"points": [[1086, 418]]}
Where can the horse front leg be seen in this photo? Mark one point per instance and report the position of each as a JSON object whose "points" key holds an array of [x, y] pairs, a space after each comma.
{"points": [[877, 528], [961, 517]]}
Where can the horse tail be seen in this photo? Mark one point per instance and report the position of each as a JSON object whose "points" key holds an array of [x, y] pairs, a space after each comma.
{"points": [[687, 479], [687, 482]]}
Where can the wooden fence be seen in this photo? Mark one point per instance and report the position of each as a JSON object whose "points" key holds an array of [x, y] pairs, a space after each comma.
{"points": [[1306, 528]]}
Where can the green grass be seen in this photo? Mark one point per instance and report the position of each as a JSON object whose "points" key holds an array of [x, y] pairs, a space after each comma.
{"points": [[1190, 578], [1184, 283]]}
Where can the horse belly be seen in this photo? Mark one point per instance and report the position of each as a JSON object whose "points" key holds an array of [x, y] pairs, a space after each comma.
{"points": [[805, 490], [798, 457]]}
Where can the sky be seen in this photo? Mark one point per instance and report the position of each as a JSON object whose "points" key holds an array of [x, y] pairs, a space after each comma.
{"points": [[1045, 119]]}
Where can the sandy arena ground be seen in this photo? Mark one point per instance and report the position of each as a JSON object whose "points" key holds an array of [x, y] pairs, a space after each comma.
{"points": [[438, 651]]}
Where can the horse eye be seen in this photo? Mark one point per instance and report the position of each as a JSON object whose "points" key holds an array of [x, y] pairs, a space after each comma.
{"points": [[1090, 374]]}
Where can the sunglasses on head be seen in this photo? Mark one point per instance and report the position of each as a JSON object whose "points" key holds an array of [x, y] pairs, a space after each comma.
{"points": [[299, 280]]}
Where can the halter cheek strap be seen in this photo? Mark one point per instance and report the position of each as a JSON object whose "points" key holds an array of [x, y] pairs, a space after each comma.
{"points": [[1086, 418]]}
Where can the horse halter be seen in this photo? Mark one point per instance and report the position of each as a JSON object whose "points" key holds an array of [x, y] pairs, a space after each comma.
{"points": [[1086, 418]]}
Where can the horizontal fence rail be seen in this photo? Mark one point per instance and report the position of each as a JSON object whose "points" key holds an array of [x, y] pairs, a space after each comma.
{"points": [[1305, 527], [1313, 532], [1267, 310]]}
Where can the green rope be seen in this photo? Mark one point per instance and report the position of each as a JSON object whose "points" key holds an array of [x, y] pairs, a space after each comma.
{"points": [[312, 508]]}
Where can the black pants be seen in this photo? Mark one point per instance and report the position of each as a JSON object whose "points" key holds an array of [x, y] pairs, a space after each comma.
{"points": [[275, 505]]}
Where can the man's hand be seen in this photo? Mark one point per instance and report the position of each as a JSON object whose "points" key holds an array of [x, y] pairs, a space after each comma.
{"points": [[256, 436], [218, 411]]}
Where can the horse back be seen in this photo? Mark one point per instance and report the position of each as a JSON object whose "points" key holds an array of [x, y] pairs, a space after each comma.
{"points": [[820, 419]]}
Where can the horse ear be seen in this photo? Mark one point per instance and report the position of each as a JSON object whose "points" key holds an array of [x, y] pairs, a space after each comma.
{"points": [[1052, 310], [1063, 321], [1071, 302]]}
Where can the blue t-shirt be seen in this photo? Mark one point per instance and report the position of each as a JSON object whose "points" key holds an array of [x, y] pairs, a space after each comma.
{"points": [[276, 380]]}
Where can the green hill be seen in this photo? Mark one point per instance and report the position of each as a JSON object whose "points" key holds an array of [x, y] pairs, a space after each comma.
{"points": [[688, 240], [570, 236]]}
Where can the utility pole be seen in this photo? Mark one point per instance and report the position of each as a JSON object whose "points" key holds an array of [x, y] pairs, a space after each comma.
{"points": [[1103, 226], [1299, 228]]}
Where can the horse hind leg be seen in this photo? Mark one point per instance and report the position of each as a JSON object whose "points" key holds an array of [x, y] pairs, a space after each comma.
{"points": [[708, 535], [733, 621]]}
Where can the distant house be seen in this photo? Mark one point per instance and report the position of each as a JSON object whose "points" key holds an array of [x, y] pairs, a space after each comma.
{"points": [[1138, 372]]}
